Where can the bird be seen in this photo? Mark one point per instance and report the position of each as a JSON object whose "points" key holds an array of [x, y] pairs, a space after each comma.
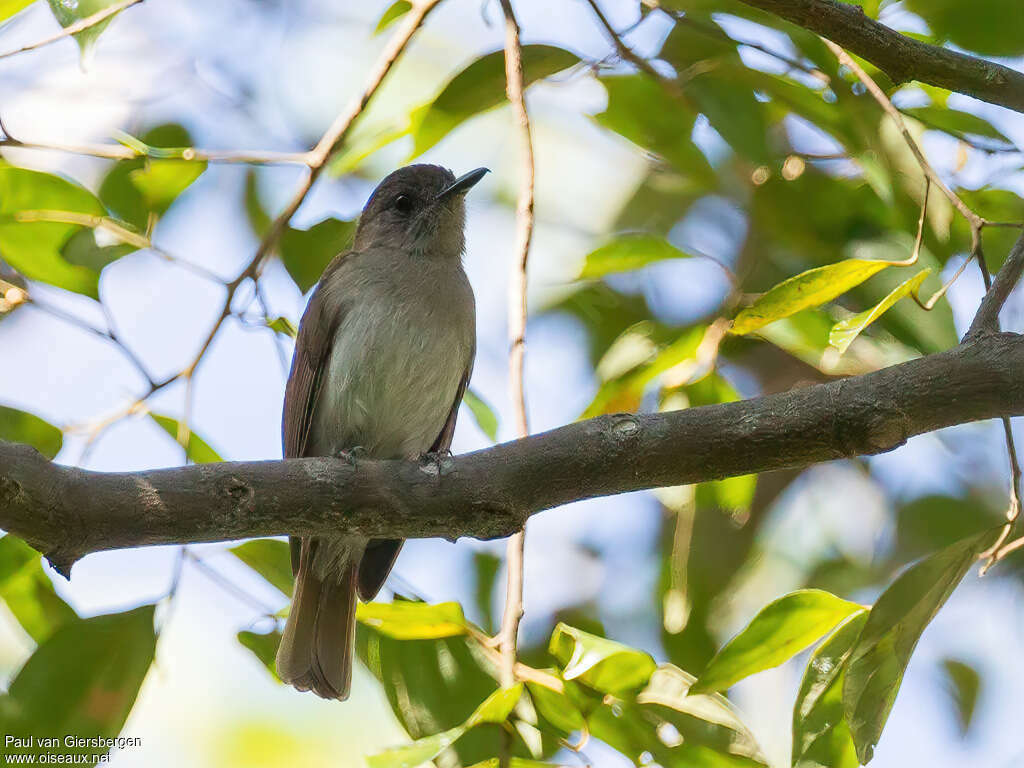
{"points": [[383, 355]]}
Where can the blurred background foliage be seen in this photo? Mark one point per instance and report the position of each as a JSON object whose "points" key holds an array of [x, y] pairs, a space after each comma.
{"points": [[671, 196]]}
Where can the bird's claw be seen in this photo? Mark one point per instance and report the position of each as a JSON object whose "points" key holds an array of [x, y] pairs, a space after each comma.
{"points": [[353, 454], [433, 461]]}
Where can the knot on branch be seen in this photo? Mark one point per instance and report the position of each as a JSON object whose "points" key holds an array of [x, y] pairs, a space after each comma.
{"points": [[240, 497], [883, 427]]}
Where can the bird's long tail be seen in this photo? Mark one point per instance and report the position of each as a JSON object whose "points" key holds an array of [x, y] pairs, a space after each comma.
{"points": [[316, 649]]}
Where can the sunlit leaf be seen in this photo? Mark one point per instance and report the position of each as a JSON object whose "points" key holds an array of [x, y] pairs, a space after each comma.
{"points": [[33, 247], [97, 664], [707, 720], [821, 738], [963, 683], [10, 7], [28, 591], [625, 393], [627, 253], [483, 414], [140, 188], [480, 87], [497, 707], [162, 181], [264, 647], [845, 331], [494, 709], [197, 449], [893, 628], [307, 252], [284, 326], [21, 427], [405, 620], [393, 13], [270, 558], [67, 12], [780, 630], [808, 289], [603, 664], [991, 27]]}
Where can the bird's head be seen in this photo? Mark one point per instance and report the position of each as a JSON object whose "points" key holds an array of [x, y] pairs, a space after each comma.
{"points": [[418, 208]]}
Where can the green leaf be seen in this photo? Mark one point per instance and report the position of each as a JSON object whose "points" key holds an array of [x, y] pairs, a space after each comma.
{"points": [[67, 13], [419, 752], [845, 331], [602, 664], [270, 558], [782, 629], [97, 665], [705, 720], [808, 289], [893, 628], [264, 647], [83, 250], [557, 708], [406, 620], [21, 427], [990, 27], [481, 87], [963, 683], [10, 7], [641, 111], [495, 709], [483, 414], [307, 252], [143, 187], [394, 12], [161, 181], [284, 326], [198, 450], [732, 110], [28, 591], [627, 253], [625, 392], [34, 247], [821, 738], [956, 123]]}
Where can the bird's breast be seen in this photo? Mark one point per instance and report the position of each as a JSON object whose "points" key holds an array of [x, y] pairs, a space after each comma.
{"points": [[394, 370]]}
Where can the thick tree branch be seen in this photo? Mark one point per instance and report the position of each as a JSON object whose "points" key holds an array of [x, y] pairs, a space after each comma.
{"points": [[67, 512], [902, 58]]}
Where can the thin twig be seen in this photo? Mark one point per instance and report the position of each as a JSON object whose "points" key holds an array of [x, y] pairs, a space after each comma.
{"points": [[987, 317], [517, 337], [73, 29], [193, 154]]}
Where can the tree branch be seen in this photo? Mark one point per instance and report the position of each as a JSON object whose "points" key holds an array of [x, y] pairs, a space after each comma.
{"points": [[902, 58], [73, 29], [987, 317], [67, 512]]}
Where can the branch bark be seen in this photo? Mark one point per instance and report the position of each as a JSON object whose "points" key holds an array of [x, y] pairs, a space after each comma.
{"points": [[902, 58], [67, 512]]}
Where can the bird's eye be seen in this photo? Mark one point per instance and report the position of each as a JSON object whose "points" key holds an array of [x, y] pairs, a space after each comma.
{"points": [[403, 204]]}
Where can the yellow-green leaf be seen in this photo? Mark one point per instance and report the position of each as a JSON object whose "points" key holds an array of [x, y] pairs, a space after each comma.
{"points": [[845, 331], [270, 558], [483, 414], [196, 449], [808, 289], [497, 707], [394, 12], [21, 427], [782, 629], [602, 664], [405, 620]]}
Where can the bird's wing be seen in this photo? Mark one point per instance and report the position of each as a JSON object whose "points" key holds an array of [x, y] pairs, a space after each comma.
{"points": [[309, 365]]}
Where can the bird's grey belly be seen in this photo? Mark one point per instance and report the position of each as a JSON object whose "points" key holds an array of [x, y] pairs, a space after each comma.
{"points": [[390, 384]]}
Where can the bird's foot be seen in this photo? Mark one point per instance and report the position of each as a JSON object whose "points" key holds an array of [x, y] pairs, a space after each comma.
{"points": [[353, 454], [434, 462]]}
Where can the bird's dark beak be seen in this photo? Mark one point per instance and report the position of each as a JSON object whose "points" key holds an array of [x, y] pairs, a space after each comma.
{"points": [[464, 183]]}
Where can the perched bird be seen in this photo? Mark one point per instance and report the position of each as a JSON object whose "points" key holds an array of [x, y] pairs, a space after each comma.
{"points": [[383, 355]]}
